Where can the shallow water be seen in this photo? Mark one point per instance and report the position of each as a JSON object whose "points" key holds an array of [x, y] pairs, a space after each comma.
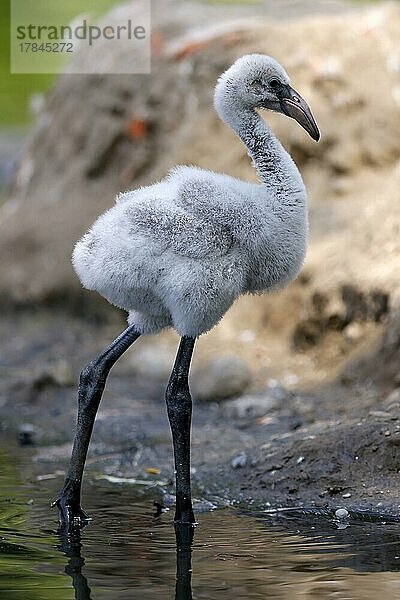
{"points": [[128, 552]]}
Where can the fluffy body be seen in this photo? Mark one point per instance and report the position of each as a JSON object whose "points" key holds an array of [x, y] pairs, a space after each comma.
{"points": [[179, 252]]}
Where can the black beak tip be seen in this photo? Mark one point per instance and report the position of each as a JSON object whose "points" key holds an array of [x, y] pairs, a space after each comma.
{"points": [[316, 135]]}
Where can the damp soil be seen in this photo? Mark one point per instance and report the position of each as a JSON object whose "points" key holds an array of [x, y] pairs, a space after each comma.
{"points": [[335, 446]]}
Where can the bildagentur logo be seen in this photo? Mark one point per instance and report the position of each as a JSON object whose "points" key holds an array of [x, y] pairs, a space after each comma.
{"points": [[50, 38], [83, 31]]}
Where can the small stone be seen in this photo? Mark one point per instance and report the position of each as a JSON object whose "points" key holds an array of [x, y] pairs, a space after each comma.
{"points": [[379, 414], [347, 495], [239, 461], [387, 433], [201, 505], [168, 500], [342, 514], [249, 407], [299, 460], [154, 362], [224, 377]]}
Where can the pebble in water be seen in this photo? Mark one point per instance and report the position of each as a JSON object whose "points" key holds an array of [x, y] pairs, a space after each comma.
{"points": [[341, 514], [342, 518]]}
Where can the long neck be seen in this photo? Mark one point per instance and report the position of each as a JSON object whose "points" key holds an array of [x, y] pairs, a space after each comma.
{"points": [[274, 165]]}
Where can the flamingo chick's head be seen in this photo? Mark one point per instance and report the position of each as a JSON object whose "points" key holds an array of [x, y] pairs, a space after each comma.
{"points": [[259, 81]]}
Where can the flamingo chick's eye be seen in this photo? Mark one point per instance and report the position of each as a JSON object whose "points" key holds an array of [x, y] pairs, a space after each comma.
{"points": [[274, 83]]}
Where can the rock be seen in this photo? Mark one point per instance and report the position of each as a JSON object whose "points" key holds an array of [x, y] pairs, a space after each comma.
{"points": [[224, 377], [239, 461], [153, 362], [342, 514], [250, 407], [168, 500], [201, 505]]}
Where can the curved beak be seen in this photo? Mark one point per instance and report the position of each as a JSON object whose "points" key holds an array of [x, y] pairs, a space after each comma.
{"points": [[293, 105]]}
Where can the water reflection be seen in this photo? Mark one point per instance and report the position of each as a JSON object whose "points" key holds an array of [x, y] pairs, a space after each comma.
{"points": [[71, 546], [128, 552], [184, 535], [370, 544], [301, 551]]}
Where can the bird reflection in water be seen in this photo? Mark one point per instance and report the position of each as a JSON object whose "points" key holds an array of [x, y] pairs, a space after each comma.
{"points": [[71, 546], [184, 534]]}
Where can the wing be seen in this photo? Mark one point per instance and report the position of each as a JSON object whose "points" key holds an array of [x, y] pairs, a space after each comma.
{"points": [[198, 237], [177, 230]]}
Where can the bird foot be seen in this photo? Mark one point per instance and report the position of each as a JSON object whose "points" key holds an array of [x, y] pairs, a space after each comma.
{"points": [[71, 515]]}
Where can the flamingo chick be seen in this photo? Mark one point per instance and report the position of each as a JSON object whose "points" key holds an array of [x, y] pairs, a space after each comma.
{"points": [[179, 252]]}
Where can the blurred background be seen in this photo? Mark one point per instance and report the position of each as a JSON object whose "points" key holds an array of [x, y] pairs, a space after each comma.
{"points": [[69, 144]]}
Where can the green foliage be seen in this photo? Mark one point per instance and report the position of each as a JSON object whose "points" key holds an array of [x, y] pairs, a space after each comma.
{"points": [[15, 90]]}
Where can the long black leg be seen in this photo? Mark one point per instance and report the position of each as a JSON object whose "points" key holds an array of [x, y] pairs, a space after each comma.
{"points": [[91, 385], [179, 408]]}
